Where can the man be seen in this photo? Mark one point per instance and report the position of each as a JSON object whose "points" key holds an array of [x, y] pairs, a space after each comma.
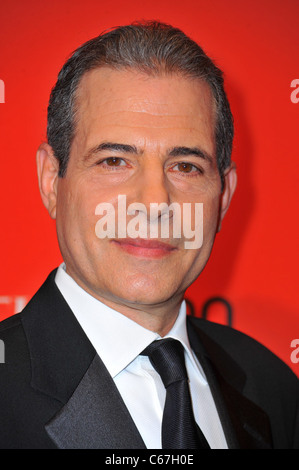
{"points": [[138, 113]]}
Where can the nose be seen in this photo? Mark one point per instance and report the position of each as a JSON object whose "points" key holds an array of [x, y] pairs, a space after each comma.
{"points": [[152, 185]]}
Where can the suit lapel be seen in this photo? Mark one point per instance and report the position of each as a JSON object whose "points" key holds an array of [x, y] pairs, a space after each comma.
{"points": [[65, 367], [95, 417], [245, 424]]}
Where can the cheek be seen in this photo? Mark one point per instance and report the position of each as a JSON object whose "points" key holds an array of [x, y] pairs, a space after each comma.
{"points": [[199, 258], [76, 215], [208, 223], [75, 212], [205, 214], [211, 219]]}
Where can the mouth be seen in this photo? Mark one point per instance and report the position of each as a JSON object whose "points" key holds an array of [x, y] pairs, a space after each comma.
{"points": [[144, 248]]}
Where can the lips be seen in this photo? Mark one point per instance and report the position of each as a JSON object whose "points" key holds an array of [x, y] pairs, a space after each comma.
{"points": [[145, 248]]}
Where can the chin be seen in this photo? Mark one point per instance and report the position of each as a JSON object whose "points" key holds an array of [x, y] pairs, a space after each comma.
{"points": [[147, 292]]}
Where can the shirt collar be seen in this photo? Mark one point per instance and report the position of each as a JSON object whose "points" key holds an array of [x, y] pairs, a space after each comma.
{"points": [[117, 339]]}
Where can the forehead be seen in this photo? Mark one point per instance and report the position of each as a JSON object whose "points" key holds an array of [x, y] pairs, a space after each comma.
{"points": [[117, 101]]}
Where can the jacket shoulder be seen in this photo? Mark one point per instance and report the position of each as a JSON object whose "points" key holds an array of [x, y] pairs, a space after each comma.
{"points": [[249, 353], [10, 322], [267, 380], [14, 340]]}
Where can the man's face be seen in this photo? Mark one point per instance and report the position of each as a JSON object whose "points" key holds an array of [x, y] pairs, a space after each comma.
{"points": [[151, 139]]}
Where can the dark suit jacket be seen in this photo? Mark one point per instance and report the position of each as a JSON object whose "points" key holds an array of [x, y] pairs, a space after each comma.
{"points": [[56, 392]]}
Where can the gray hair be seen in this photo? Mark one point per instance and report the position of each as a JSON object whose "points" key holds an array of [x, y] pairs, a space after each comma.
{"points": [[151, 47]]}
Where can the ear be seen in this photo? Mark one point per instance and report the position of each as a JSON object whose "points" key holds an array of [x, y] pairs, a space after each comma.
{"points": [[230, 183], [47, 171]]}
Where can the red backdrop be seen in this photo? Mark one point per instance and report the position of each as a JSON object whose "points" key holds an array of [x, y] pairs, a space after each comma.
{"points": [[255, 259]]}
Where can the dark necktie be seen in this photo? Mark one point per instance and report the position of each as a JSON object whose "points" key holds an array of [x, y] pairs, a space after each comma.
{"points": [[179, 429]]}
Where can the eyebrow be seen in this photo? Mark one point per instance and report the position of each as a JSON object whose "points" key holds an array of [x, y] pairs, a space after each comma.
{"points": [[189, 151], [122, 148], [126, 148]]}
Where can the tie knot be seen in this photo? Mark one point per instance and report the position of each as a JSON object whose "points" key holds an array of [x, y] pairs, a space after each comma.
{"points": [[167, 357]]}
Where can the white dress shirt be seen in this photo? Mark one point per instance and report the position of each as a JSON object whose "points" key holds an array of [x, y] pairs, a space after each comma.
{"points": [[119, 342]]}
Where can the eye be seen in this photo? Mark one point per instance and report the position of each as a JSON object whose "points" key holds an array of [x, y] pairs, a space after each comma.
{"points": [[186, 167], [114, 161]]}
